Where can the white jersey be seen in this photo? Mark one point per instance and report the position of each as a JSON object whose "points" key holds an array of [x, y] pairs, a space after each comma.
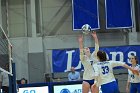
{"points": [[88, 64], [104, 71], [88, 68], [132, 77]]}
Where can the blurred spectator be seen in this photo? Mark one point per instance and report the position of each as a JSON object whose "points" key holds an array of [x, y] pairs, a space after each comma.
{"points": [[73, 75], [4, 80], [23, 81]]}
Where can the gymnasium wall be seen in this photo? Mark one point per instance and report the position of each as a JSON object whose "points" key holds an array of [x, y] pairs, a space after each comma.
{"points": [[56, 34]]}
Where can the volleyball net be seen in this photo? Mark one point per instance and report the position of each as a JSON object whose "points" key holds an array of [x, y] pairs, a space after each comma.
{"points": [[5, 53]]}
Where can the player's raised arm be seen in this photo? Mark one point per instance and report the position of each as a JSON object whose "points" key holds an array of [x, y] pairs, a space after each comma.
{"points": [[96, 41], [80, 40], [81, 47]]}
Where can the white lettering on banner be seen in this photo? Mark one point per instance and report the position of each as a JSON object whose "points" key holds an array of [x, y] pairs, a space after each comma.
{"points": [[114, 54], [129, 54], [69, 60], [107, 56], [79, 65]]}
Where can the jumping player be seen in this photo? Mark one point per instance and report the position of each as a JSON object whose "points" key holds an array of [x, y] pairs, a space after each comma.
{"points": [[88, 60]]}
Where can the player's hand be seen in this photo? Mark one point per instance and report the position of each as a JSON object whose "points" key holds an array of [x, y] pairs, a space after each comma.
{"points": [[135, 71]]}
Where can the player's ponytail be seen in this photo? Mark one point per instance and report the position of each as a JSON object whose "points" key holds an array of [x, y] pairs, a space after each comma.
{"points": [[102, 56]]}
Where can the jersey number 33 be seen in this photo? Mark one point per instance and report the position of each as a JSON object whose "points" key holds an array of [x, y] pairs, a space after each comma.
{"points": [[105, 69]]}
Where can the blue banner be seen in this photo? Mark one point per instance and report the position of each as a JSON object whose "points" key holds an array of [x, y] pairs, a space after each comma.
{"points": [[85, 12], [118, 14], [63, 60]]}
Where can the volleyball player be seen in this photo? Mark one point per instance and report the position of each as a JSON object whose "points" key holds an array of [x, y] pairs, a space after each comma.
{"points": [[104, 73], [88, 60], [133, 81]]}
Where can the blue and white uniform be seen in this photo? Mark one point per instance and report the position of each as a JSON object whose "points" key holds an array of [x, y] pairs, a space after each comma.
{"points": [[106, 79], [134, 80], [87, 63]]}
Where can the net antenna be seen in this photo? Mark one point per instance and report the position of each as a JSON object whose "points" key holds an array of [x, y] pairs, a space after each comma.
{"points": [[5, 53]]}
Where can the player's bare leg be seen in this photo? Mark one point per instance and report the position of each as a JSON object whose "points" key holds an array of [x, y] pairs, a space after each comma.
{"points": [[85, 87], [94, 89]]}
